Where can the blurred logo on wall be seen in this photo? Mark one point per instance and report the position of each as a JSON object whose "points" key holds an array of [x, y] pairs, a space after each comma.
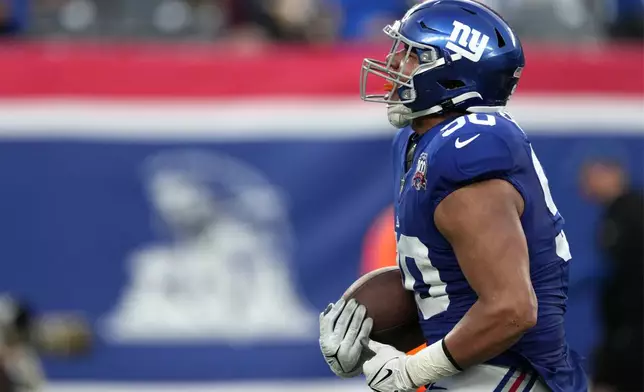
{"points": [[219, 269]]}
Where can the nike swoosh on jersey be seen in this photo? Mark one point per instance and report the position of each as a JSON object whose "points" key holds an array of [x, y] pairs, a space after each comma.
{"points": [[461, 144]]}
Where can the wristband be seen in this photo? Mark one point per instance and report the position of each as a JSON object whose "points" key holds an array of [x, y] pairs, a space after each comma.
{"points": [[430, 365]]}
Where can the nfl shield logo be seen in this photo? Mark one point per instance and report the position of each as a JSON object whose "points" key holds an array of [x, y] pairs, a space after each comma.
{"points": [[420, 177]]}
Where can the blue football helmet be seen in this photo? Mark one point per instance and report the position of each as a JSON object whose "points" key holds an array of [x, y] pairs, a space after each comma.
{"points": [[469, 60]]}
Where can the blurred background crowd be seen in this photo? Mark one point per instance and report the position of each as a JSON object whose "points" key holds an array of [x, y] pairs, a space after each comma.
{"points": [[311, 21], [75, 231]]}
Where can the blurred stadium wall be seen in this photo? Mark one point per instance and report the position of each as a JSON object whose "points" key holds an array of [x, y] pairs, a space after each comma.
{"points": [[116, 159]]}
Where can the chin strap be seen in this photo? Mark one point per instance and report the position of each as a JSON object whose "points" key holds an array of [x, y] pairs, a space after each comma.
{"points": [[401, 116]]}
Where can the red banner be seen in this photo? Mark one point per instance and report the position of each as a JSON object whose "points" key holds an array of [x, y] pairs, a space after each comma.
{"points": [[201, 71]]}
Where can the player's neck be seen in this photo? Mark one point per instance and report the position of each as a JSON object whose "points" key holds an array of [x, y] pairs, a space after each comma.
{"points": [[422, 125]]}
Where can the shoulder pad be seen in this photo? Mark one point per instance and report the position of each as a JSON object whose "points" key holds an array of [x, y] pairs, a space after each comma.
{"points": [[473, 149]]}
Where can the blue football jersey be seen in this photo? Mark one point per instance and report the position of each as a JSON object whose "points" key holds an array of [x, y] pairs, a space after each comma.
{"points": [[456, 153]]}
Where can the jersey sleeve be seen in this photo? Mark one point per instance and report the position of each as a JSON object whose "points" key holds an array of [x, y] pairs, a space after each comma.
{"points": [[475, 156]]}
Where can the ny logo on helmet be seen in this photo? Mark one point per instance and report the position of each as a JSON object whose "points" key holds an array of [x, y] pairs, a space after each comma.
{"points": [[467, 42]]}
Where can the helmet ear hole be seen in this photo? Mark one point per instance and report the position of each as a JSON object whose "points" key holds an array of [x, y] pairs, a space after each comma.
{"points": [[451, 84]]}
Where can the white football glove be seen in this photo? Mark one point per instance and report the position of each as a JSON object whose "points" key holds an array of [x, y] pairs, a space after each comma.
{"points": [[385, 372], [343, 329]]}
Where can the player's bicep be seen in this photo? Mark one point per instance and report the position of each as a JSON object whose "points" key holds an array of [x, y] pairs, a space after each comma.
{"points": [[482, 223]]}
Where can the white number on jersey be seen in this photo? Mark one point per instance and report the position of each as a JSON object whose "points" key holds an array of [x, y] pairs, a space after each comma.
{"points": [[473, 118], [561, 243], [562, 246], [421, 277]]}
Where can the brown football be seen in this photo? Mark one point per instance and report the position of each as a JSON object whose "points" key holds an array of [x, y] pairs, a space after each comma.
{"points": [[392, 308]]}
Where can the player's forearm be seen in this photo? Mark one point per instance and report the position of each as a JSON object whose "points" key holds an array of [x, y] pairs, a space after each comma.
{"points": [[489, 329], [485, 331]]}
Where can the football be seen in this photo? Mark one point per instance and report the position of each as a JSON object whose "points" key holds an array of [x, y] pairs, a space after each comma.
{"points": [[392, 308]]}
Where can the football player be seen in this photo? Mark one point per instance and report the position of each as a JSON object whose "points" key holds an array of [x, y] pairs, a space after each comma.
{"points": [[479, 238]]}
